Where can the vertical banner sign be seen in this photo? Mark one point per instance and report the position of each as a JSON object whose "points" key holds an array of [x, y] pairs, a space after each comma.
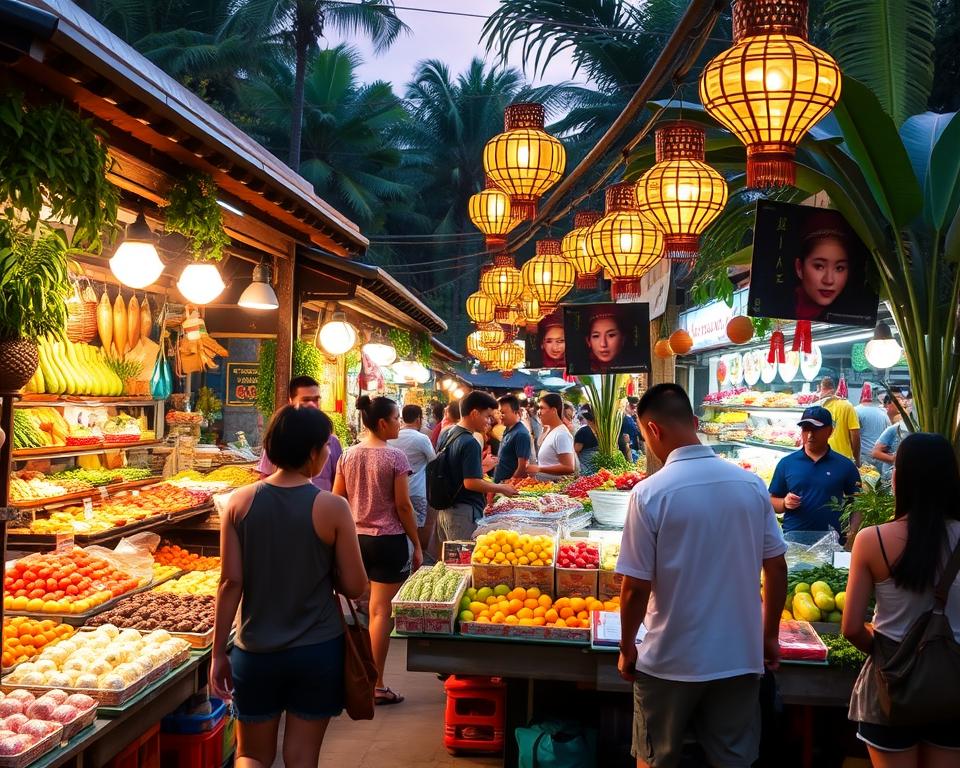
{"points": [[242, 383]]}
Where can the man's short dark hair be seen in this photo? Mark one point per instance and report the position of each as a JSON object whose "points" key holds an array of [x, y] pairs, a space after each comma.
{"points": [[827, 383], [293, 433], [666, 402], [477, 401], [438, 411], [633, 400], [453, 411], [512, 400], [301, 382], [411, 413], [553, 400]]}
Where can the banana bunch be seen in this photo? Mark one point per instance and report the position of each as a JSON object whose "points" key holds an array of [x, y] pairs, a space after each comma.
{"points": [[73, 369]]}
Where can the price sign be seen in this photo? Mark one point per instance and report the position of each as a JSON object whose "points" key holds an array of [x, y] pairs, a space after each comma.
{"points": [[88, 509], [242, 383], [104, 493], [64, 543]]}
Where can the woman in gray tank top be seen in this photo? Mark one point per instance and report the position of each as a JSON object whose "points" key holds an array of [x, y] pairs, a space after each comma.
{"points": [[285, 546]]}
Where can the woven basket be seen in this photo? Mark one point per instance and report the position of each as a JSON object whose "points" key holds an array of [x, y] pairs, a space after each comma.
{"points": [[18, 362], [81, 315]]}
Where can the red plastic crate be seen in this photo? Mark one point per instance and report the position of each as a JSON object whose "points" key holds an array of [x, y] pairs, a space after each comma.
{"points": [[474, 716], [198, 750], [142, 752]]}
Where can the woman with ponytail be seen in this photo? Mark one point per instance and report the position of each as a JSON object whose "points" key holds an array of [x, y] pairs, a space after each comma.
{"points": [[373, 478], [900, 563]]}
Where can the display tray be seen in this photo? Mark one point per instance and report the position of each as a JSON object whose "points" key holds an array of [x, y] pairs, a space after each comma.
{"points": [[35, 752], [717, 406], [73, 619], [520, 634], [116, 710], [24, 536], [176, 517], [67, 450], [47, 399], [84, 721], [125, 485]]}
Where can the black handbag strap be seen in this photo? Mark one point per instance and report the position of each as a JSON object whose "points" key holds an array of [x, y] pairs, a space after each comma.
{"points": [[946, 580]]}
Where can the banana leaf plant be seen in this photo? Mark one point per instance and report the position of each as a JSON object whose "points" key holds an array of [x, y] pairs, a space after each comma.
{"points": [[603, 393], [900, 191]]}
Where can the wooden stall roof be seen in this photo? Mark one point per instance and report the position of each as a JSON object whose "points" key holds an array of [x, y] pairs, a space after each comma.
{"points": [[159, 118], [375, 290], [444, 352]]}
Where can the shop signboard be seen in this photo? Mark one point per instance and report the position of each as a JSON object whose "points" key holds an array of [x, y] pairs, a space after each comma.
{"points": [[707, 324], [809, 264], [242, 383], [607, 338], [655, 288]]}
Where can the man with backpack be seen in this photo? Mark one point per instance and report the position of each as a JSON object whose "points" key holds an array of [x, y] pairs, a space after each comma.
{"points": [[455, 479]]}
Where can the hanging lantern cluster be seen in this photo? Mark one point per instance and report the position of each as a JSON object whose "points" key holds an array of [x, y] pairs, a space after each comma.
{"points": [[480, 307], [681, 192], [509, 358], [548, 276], [524, 161], [574, 249], [504, 284], [624, 242], [771, 87], [491, 212], [532, 311]]}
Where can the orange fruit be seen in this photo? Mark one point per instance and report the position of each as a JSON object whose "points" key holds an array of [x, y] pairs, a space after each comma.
{"points": [[583, 615], [533, 592], [551, 616], [540, 611], [525, 613], [566, 613], [526, 622], [511, 620], [560, 623], [530, 603], [562, 602], [539, 621], [578, 604], [515, 605], [545, 600]]}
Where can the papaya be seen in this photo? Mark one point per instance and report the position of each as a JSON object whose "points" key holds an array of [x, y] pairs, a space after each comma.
{"points": [[821, 586], [840, 600], [801, 587], [804, 608], [785, 615], [835, 617], [824, 602]]}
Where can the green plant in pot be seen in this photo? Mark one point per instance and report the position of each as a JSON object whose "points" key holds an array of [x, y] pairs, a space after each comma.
{"points": [[34, 286]]}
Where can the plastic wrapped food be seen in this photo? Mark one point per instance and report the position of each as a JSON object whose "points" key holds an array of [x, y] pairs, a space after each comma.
{"points": [[799, 641]]}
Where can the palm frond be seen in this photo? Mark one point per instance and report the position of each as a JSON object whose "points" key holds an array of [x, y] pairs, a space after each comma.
{"points": [[376, 18]]}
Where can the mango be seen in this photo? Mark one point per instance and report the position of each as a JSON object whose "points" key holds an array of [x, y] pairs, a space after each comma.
{"points": [[464, 603], [804, 608], [821, 586], [840, 600], [786, 616], [835, 617], [501, 589], [824, 602], [801, 587], [483, 593], [466, 615]]}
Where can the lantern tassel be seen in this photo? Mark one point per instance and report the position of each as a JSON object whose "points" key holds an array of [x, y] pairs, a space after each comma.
{"points": [[803, 337], [777, 353]]}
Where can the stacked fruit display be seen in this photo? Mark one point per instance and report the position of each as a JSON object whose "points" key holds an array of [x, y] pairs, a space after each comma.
{"points": [[530, 608], [63, 583], [579, 488], [512, 548], [161, 610], [73, 369], [195, 583], [171, 554], [816, 594], [532, 486], [581, 554], [24, 638]]}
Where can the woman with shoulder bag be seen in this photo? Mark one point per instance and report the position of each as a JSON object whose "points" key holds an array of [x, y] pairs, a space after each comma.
{"points": [[902, 563], [286, 546]]}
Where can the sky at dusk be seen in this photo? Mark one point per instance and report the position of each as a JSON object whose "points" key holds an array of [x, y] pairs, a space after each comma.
{"points": [[451, 39]]}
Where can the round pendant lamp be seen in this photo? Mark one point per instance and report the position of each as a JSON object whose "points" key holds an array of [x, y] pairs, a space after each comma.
{"points": [[548, 276], [491, 213], [338, 336], [136, 262], [200, 282], [574, 249], [259, 294]]}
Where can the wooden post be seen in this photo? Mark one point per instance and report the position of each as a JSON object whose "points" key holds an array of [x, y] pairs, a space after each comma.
{"points": [[285, 324], [6, 459], [661, 370]]}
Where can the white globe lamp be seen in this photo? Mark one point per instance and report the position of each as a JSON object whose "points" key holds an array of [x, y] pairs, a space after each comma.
{"points": [[883, 351], [200, 282], [338, 336], [136, 262]]}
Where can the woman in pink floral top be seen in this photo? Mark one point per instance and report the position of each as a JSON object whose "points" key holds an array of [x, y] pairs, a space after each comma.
{"points": [[372, 476]]}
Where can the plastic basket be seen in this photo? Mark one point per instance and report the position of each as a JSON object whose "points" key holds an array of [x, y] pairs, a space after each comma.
{"points": [[184, 723], [610, 507]]}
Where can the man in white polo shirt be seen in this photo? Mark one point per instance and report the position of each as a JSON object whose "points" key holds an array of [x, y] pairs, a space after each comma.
{"points": [[697, 535]]}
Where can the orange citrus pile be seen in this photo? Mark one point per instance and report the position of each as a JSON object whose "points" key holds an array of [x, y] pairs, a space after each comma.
{"points": [[24, 638], [171, 554], [529, 608]]}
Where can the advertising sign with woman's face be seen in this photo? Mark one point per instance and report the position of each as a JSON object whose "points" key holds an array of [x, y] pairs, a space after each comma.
{"points": [[607, 338], [546, 348], [808, 264]]}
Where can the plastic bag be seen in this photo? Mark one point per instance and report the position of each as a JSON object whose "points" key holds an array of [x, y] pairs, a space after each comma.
{"points": [[809, 549], [161, 382], [137, 563], [555, 744], [138, 543]]}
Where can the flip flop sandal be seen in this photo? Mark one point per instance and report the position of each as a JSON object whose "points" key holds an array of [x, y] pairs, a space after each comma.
{"points": [[385, 697]]}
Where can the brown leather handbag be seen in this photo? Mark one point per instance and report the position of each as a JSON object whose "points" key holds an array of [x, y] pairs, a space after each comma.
{"points": [[359, 671], [918, 679]]}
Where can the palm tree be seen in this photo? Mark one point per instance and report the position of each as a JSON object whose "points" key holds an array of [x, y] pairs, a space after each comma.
{"points": [[350, 151], [297, 25]]}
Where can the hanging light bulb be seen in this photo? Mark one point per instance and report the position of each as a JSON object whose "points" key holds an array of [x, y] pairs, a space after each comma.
{"points": [[574, 249], [771, 87], [259, 294], [883, 351], [380, 351], [136, 262], [548, 275], [524, 161], [337, 336], [681, 192], [200, 282]]}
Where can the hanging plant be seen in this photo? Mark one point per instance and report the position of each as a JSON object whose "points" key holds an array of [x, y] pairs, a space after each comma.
{"points": [[192, 211], [422, 349], [307, 360], [266, 378], [402, 342], [54, 163], [352, 360], [34, 284]]}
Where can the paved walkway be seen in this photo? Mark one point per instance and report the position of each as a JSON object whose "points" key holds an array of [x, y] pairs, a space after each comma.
{"points": [[407, 735]]}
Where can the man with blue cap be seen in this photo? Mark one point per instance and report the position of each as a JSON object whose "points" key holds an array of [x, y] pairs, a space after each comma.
{"points": [[806, 482]]}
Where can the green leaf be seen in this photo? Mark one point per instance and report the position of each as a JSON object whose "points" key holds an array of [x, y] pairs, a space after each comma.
{"points": [[873, 142], [919, 135], [943, 183]]}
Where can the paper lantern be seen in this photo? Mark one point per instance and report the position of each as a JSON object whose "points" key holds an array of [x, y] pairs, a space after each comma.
{"points": [[480, 307], [681, 192], [509, 357], [475, 348], [491, 335], [491, 213], [883, 351], [624, 242], [532, 311], [681, 342], [771, 87], [524, 161], [740, 329], [662, 349], [200, 282], [380, 351], [504, 284], [548, 276], [574, 249]]}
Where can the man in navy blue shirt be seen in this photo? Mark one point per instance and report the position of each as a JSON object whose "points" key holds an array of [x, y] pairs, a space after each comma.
{"points": [[629, 438], [515, 447], [806, 482]]}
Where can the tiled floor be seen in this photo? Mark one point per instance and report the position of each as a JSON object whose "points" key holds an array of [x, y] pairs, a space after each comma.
{"points": [[407, 735]]}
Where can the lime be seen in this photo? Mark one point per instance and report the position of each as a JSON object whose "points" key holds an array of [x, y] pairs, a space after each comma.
{"points": [[501, 589], [466, 615]]}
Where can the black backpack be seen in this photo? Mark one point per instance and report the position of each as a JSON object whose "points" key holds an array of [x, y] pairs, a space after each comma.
{"points": [[443, 487]]}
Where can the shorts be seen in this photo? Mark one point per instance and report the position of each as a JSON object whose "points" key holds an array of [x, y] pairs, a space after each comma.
{"points": [[386, 558], [458, 523], [305, 681], [724, 715], [420, 509], [888, 738]]}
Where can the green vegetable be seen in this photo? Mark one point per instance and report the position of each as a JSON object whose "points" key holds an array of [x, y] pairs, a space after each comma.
{"points": [[842, 653], [835, 577], [193, 211], [874, 506]]}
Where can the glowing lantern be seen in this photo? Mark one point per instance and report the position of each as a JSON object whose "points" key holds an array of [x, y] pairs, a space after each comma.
{"points": [[480, 307], [509, 357], [337, 336], [548, 275], [662, 349], [574, 249], [681, 192], [490, 212], [504, 284], [524, 161], [624, 242], [532, 311], [681, 342], [491, 335], [771, 87]]}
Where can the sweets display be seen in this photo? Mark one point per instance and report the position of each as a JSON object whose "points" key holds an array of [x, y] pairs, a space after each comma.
{"points": [[195, 583], [171, 554], [161, 610], [24, 638]]}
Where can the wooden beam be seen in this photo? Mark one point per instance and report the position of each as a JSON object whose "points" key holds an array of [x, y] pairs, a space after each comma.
{"points": [[285, 324]]}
